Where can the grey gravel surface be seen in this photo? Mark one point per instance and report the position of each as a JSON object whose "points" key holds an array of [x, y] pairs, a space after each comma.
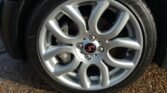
{"points": [[20, 77]]}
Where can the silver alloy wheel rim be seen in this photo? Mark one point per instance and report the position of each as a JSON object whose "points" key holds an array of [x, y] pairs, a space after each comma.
{"points": [[74, 74]]}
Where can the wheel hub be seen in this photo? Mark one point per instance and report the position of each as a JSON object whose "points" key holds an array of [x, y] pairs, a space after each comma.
{"points": [[89, 49]]}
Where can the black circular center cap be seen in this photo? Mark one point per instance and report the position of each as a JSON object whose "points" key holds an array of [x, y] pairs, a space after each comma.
{"points": [[90, 48]]}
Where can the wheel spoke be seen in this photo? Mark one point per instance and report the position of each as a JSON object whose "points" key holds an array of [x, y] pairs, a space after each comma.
{"points": [[104, 74], [124, 43], [74, 13], [63, 69], [84, 80], [54, 51], [97, 12], [57, 32], [124, 64], [114, 71], [118, 27]]}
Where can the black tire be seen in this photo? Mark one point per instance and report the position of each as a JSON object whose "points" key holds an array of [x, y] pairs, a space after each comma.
{"points": [[136, 6]]}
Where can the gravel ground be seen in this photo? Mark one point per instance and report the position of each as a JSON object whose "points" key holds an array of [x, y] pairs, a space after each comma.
{"points": [[20, 77]]}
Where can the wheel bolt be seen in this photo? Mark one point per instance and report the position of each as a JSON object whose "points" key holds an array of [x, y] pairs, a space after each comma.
{"points": [[100, 49], [88, 57], [92, 38], [79, 45]]}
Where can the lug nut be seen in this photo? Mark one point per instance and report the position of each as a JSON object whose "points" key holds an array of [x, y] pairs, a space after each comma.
{"points": [[88, 57], [100, 49], [92, 38], [79, 45]]}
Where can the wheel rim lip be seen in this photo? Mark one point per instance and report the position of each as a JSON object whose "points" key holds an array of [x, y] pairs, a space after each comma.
{"points": [[61, 79]]}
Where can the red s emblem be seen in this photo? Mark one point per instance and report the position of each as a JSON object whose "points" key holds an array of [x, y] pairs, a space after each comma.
{"points": [[90, 48]]}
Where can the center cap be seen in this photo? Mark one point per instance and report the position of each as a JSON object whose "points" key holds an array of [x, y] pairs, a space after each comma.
{"points": [[90, 48]]}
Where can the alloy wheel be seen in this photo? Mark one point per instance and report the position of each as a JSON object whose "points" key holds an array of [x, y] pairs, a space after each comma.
{"points": [[90, 44]]}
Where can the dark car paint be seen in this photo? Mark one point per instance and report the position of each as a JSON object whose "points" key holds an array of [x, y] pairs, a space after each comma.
{"points": [[14, 15]]}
